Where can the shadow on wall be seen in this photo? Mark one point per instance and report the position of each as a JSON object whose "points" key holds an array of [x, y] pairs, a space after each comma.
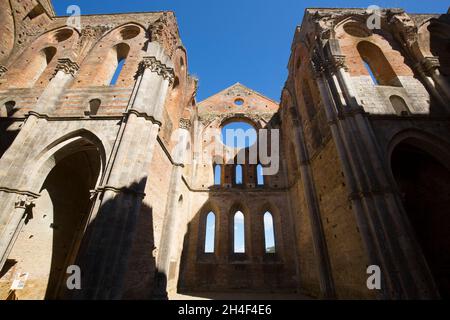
{"points": [[7, 135], [116, 255]]}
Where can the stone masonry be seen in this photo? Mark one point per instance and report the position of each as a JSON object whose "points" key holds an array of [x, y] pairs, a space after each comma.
{"points": [[103, 174]]}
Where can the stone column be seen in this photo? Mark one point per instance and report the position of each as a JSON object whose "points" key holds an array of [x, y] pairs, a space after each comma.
{"points": [[106, 251], [430, 69], [64, 74], [169, 230]]}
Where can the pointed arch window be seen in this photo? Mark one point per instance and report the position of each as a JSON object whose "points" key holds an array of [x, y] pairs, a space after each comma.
{"points": [[38, 65], [210, 232], [377, 64], [260, 175], [269, 233], [238, 174], [239, 233], [217, 174], [120, 54]]}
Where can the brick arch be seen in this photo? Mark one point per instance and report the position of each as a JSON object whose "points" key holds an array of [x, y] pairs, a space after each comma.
{"points": [[27, 69], [101, 60], [382, 39]]}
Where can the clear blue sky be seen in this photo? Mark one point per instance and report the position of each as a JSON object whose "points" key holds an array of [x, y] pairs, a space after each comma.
{"points": [[245, 41]]}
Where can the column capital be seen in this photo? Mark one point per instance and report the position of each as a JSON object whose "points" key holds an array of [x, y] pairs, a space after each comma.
{"points": [[67, 66], [430, 64], [154, 65], [185, 124], [3, 70], [24, 202], [337, 62]]}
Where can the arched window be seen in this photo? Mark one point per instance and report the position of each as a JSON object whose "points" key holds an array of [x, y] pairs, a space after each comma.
{"points": [[94, 105], [117, 61], [269, 233], [238, 174], [239, 233], [217, 174], [210, 232], [369, 70], [260, 175], [399, 105], [38, 65], [377, 65], [239, 135]]}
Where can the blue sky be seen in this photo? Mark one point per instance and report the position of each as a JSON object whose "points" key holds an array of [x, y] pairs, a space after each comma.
{"points": [[245, 41]]}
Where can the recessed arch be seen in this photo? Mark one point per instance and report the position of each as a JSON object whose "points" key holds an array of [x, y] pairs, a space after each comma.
{"points": [[377, 64], [61, 213], [423, 183]]}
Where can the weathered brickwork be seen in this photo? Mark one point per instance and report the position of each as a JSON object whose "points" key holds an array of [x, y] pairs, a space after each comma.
{"points": [[93, 172]]}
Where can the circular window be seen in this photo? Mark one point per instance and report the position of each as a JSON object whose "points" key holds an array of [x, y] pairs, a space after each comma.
{"points": [[130, 32], [239, 101], [239, 135]]}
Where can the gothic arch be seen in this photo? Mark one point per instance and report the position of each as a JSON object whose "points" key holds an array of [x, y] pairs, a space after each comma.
{"points": [[61, 148], [124, 42], [420, 171], [63, 175]]}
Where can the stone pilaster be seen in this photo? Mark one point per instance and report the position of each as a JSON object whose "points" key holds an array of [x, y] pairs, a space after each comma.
{"points": [[155, 76], [121, 196], [169, 231], [64, 73]]}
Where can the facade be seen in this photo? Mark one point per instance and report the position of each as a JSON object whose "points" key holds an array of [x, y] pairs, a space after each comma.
{"points": [[100, 136]]}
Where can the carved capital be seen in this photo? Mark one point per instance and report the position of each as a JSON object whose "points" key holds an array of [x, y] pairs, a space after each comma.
{"points": [[3, 70], [67, 66], [24, 202], [158, 67], [185, 124], [430, 64], [338, 63]]}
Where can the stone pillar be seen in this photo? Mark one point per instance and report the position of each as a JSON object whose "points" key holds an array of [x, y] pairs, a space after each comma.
{"points": [[430, 69], [8, 237], [106, 251], [3, 70], [64, 74], [157, 75], [169, 230]]}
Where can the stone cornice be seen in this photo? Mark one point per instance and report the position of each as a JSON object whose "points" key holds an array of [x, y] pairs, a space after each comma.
{"points": [[158, 67]]}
